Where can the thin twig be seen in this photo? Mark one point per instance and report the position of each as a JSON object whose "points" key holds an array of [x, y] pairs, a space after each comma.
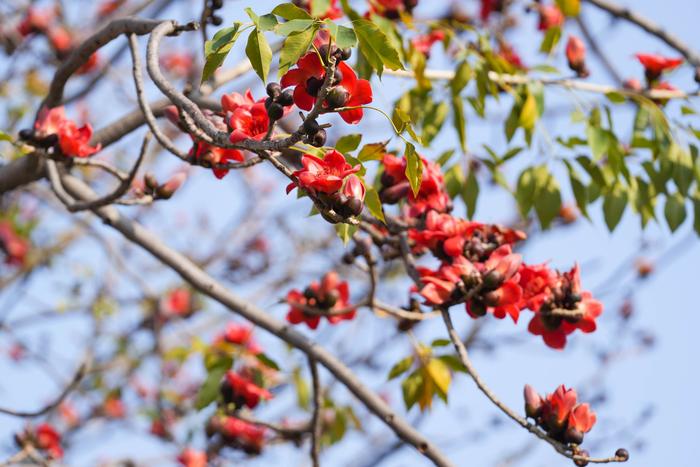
{"points": [[316, 417]]}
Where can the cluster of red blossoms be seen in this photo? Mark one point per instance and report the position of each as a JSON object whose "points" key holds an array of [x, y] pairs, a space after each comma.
{"points": [[239, 389], [329, 298], [560, 414], [46, 22], [238, 433], [45, 438], [241, 335], [14, 247], [346, 89], [54, 128], [478, 266]]}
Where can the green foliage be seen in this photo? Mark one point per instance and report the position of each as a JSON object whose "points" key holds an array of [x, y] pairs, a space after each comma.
{"points": [[217, 49]]}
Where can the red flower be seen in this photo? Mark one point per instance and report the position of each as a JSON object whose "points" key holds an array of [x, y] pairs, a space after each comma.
{"points": [[14, 246], [505, 298], [391, 9], [60, 39], [431, 195], [576, 56], [488, 7], [323, 175], [240, 334], [245, 390], [178, 302], [215, 155], [559, 414], [73, 141], [424, 43], [582, 418], [550, 16], [35, 20], [250, 436], [330, 294], [534, 281], [654, 64], [308, 76], [246, 117], [192, 458], [178, 63], [333, 11], [507, 52], [68, 414], [48, 439], [113, 407], [557, 406], [566, 295], [440, 286]]}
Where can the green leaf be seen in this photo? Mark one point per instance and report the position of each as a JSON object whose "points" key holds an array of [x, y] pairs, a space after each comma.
{"points": [[290, 11], [696, 213], [376, 47], [348, 143], [470, 193], [259, 53], [569, 7], [614, 204], [454, 180], [463, 74], [401, 367], [579, 189], [5, 137], [372, 152], [412, 388], [217, 49], [440, 343], [210, 389], [460, 122], [525, 191], [598, 140], [293, 26], [453, 362], [674, 211], [414, 168], [345, 231], [547, 201], [267, 361], [551, 39], [344, 37], [303, 391], [615, 97], [374, 204], [440, 374], [295, 45], [319, 7], [528, 113]]}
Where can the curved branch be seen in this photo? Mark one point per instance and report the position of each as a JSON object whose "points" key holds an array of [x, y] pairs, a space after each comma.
{"points": [[208, 286], [471, 371]]}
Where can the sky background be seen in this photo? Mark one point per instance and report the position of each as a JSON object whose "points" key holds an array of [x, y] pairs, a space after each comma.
{"points": [[650, 405]]}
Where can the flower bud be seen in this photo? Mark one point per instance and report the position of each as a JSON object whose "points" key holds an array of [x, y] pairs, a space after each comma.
{"points": [[313, 84], [622, 454], [273, 89], [354, 188], [493, 280], [275, 111], [319, 138], [167, 190], [355, 206], [150, 181], [533, 402], [582, 463], [286, 98], [394, 194], [573, 436], [337, 97], [576, 56]]}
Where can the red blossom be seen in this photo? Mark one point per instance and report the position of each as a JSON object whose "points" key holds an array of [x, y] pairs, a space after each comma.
{"points": [[250, 436], [488, 7], [12, 245], [431, 195], [565, 294], [240, 334], [582, 418], [192, 458], [330, 294], [654, 64], [508, 53], [49, 440], [113, 407], [560, 414], [424, 42], [35, 20], [73, 141], [550, 16], [323, 175], [310, 73], [60, 39], [576, 56], [177, 302], [244, 390], [354, 188]]}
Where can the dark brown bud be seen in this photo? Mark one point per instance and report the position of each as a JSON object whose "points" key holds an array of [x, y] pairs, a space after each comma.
{"points": [[344, 54], [216, 20], [275, 111], [313, 84], [477, 308], [493, 280], [355, 206], [150, 181], [273, 89], [286, 98], [26, 134], [337, 97], [216, 4], [319, 138], [582, 463], [325, 53], [573, 436], [622, 454], [311, 127]]}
